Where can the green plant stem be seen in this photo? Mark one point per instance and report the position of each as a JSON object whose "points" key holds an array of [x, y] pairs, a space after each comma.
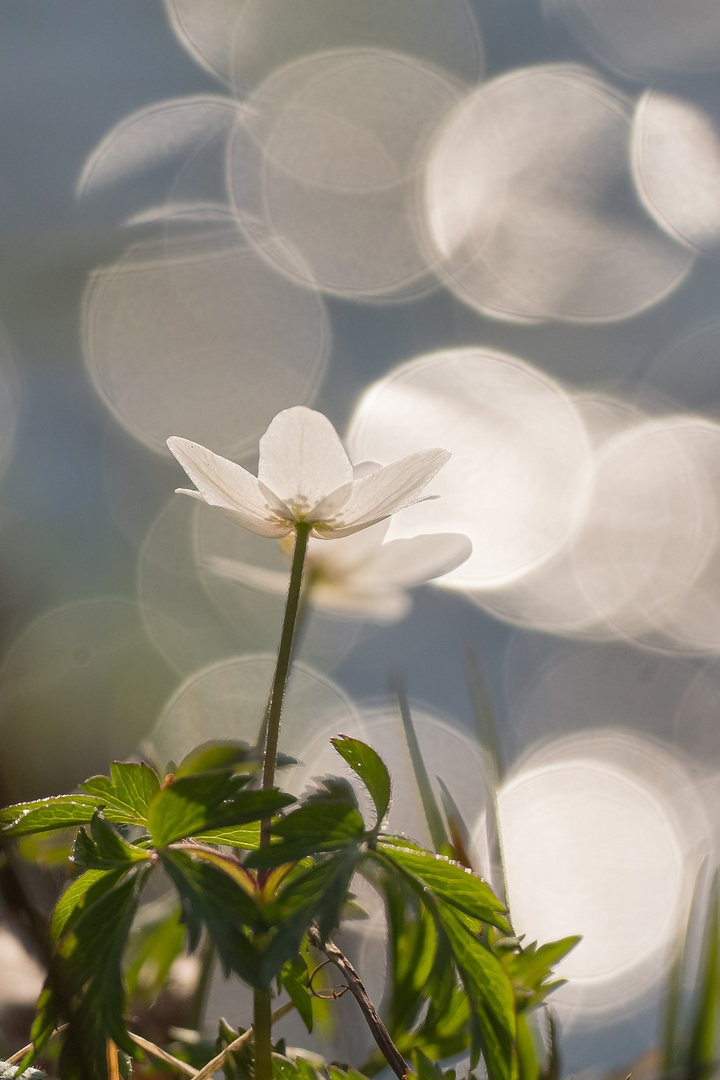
{"points": [[262, 1034], [262, 999], [282, 667]]}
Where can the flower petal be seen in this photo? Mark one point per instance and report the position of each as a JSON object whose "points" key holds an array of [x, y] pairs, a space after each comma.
{"points": [[376, 496], [229, 488], [416, 559], [302, 458], [380, 606], [258, 577], [349, 553]]}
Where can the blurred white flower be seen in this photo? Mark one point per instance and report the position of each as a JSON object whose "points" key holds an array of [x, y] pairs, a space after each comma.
{"points": [[361, 574], [304, 475]]}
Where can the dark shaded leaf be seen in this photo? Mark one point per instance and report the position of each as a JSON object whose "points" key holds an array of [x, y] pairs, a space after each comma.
{"points": [[371, 769], [151, 951], [210, 899], [423, 984], [319, 826], [295, 980], [412, 943], [105, 849], [208, 801], [425, 1069], [313, 895], [86, 987], [79, 895], [220, 756]]}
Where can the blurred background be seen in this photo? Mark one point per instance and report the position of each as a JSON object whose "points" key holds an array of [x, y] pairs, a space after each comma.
{"points": [[490, 226]]}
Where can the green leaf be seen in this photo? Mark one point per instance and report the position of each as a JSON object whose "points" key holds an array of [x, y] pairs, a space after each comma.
{"points": [[449, 882], [313, 895], [702, 1050], [240, 836], [152, 950], [425, 1069], [492, 1001], [220, 756], [105, 849], [318, 826], [211, 899], [423, 983], [48, 1017], [527, 1051], [430, 807], [482, 972], [460, 841], [371, 769], [129, 791], [60, 812], [412, 943], [48, 849], [295, 980], [88, 973], [207, 801], [530, 967], [79, 895]]}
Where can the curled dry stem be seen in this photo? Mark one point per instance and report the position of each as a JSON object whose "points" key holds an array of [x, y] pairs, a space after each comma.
{"points": [[355, 985]]}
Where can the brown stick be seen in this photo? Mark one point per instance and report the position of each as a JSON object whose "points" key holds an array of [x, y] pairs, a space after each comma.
{"points": [[355, 985]]}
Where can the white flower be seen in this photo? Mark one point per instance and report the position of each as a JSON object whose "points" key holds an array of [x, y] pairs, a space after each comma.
{"points": [[304, 475], [361, 574]]}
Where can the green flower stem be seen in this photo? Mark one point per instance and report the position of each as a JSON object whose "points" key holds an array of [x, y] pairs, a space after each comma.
{"points": [[282, 667], [262, 999]]}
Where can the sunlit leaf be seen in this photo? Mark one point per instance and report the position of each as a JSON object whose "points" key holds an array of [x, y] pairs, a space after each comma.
{"points": [[60, 812], [490, 992], [527, 1050], [240, 836], [130, 789], [371, 769], [449, 881], [530, 967]]}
